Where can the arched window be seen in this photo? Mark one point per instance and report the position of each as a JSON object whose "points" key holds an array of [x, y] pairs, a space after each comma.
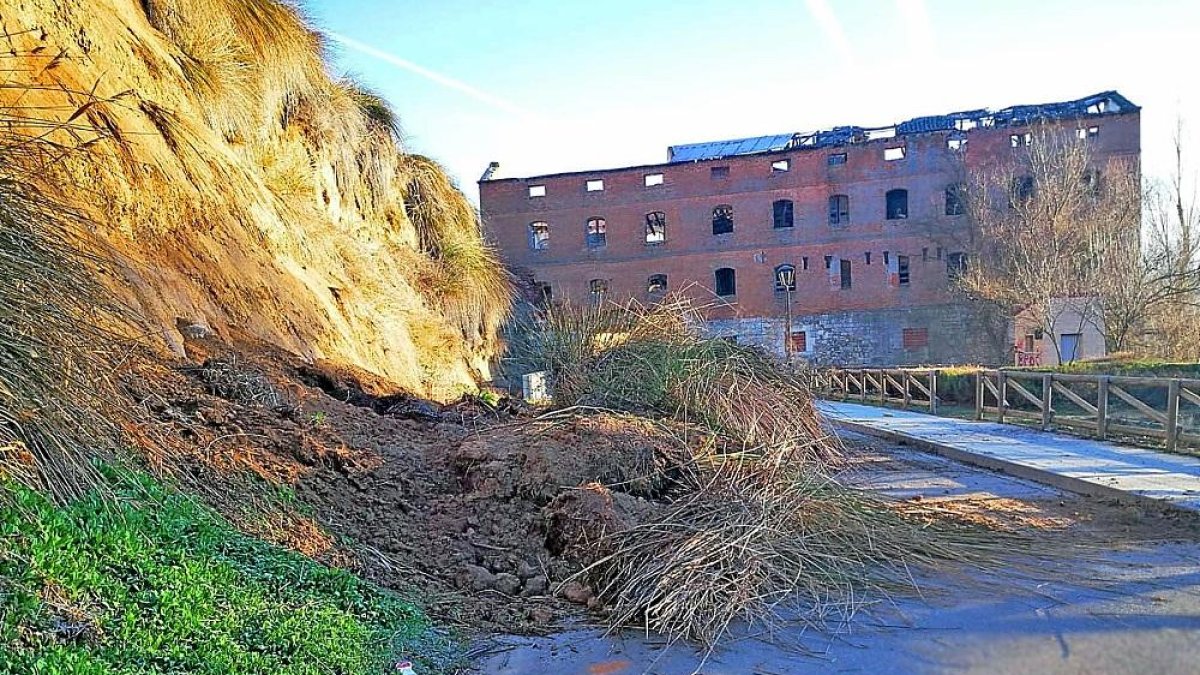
{"points": [[785, 278], [656, 227], [782, 213], [722, 220], [539, 236], [656, 284], [596, 233], [1022, 190], [839, 210], [726, 281], [896, 204]]}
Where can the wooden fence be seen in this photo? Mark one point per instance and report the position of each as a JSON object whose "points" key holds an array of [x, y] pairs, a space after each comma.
{"points": [[1096, 405], [905, 387]]}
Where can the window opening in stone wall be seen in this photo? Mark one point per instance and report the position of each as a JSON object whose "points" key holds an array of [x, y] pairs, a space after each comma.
{"points": [[537, 190], [597, 233], [782, 212], [956, 203], [903, 271], [726, 282], [896, 203], [839, 209], [836, 159], [718, 172], [595, 185], [781, 166], [539, 236], [653, 179], [847, 275], [893, 154], [656, 227], [656, 284]]}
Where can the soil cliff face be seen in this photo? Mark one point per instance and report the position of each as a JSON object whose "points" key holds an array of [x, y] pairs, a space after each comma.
{"points": [[232, 186]]}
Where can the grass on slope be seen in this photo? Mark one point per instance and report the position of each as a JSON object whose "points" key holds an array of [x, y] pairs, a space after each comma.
{"points": [[157, 583]]}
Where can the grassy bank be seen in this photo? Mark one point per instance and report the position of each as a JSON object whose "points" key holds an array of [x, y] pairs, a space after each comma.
{"points": [[155, 583]]}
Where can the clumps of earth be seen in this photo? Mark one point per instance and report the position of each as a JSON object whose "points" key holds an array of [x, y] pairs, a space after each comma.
{"points": [[486, 509]]}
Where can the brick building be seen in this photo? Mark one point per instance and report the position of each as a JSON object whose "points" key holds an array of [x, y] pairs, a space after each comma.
{"points": [[866, 217]]}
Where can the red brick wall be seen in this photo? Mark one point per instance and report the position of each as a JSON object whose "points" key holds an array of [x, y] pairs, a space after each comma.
{"points": [[692, 253]]}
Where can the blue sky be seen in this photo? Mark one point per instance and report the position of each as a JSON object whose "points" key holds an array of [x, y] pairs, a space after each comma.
{"points": [[551, 85]]}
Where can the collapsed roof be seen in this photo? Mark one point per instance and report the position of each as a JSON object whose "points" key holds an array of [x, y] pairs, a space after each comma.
{"points": [[1104, 103]]}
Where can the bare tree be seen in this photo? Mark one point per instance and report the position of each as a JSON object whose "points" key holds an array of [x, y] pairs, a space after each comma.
{"points": [[1047, 226]]}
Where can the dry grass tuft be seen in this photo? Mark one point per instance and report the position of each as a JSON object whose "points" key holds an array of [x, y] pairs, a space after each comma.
{"points": [[232, 380], [468, 281], [656, 360]]}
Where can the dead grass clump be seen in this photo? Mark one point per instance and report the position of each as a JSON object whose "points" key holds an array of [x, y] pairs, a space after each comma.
{"points": [[766, 544], [656, 360], [468, 281]]}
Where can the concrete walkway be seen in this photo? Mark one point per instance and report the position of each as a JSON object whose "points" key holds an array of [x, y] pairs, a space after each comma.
{"points": [[1076, 464]]}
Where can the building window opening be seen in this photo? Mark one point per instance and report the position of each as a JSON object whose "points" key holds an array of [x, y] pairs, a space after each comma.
{"points": [[1022, 190], [656, 227], [544, 295], [726, 282], [956, 202], [722, 219], [781, 166], [785, 278], [1017, 140], [597, 233], [1090, 132], [903, 270], [893, 154], [719, 172], [653, 179], [656, 284], [1092, 182], [867, 257], [956, 144], [804, 263], [799, 342], [828, 262], [836, 158], [847, 275], [897, 204], [595, 185], [539, 236], [782, 213], [598, 289], [537, 191], [956, 265], [839, 210]]}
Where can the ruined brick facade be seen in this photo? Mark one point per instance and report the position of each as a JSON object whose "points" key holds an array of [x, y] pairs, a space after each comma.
{"points": [[872, 271]]}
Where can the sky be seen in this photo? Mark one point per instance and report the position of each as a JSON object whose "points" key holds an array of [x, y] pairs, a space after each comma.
{"points": [[544, 86]]}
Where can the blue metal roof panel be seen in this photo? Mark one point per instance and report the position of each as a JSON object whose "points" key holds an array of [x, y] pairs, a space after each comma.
{"points": [[691, 152]]}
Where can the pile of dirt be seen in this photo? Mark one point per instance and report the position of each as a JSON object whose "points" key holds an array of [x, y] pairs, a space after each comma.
{"points": [[481, 507]]}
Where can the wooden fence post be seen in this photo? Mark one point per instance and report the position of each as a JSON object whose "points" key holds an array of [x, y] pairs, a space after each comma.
{"points": [[933, 392], [905, 378], [1102, 407], [1047, 398], [1002, 389], [979, 375], [1173, 416], [883, 387]]}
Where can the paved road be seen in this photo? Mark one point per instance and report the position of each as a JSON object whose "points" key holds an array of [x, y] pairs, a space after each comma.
{"points": [[1079, 464], [1135, 610]]}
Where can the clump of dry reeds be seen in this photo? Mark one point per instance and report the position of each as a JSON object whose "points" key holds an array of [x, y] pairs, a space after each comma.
{"points": [[468, 281], [656, 359]]}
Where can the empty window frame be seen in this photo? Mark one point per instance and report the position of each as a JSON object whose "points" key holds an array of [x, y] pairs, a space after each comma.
{"points": [[896, 204], [914, 338], [718, 172], [867, 257], [781, 166], [893, 154], [956, 265], [1022, 190], [847, 274], [828, 262], [543, 294], [799, 341], [653, 179], [836, 159], [1018, 140], [539, 236], [782, 213], [1092, 182], [537, 191], [956, 144], [839, 210], [596, 185], [1086, 133], [804, 263], [656, 284], [725, 282], [956, 202], [598, 289], [903, 270], [785, 278], [656, 228], [722, 219], [597, 233]]}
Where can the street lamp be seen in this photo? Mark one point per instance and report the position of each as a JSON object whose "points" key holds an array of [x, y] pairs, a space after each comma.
{"points": [[785, 278]]}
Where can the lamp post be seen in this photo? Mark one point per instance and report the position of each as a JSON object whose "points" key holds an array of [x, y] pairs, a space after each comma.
{"points": [[785, 278]]}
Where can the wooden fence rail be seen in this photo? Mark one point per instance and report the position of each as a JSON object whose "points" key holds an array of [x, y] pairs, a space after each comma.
{"points": [[1097, 405]]}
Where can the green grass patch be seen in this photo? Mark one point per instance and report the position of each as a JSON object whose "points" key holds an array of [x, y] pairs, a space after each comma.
{"points": [[157, 583]]}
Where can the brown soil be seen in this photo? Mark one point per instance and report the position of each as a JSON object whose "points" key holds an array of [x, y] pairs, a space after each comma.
{"points": [[477, 508]]}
